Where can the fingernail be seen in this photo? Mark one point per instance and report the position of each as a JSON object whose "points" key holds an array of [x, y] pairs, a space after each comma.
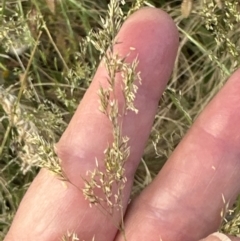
{"points": [[221, 236]]}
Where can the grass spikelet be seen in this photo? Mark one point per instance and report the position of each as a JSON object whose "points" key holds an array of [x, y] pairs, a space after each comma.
{"points": [[186, 7]]}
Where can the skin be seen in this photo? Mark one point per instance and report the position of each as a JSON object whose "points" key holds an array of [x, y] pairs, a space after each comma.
{"points": [[185, 200]]}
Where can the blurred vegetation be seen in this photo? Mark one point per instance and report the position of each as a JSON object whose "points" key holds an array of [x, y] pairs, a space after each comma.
{"points": [[47, 63]]}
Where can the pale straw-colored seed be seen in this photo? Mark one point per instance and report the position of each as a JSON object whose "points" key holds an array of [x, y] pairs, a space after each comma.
{"points": [[186, 7]]}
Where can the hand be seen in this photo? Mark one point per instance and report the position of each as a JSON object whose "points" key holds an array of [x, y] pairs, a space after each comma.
{"points": [[184, 201]]}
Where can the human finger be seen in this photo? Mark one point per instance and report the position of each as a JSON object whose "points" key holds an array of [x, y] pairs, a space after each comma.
{"points": [[188, 198], [48, 210]]}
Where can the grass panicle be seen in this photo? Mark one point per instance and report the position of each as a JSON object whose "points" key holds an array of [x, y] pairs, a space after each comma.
{"points": [[104, 186]]}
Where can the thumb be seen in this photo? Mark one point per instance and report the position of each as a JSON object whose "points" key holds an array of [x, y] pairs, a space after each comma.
{"points": [[220, 237]]}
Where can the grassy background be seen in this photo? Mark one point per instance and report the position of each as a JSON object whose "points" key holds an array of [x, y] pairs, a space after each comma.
{"points": [[51, 77]]}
